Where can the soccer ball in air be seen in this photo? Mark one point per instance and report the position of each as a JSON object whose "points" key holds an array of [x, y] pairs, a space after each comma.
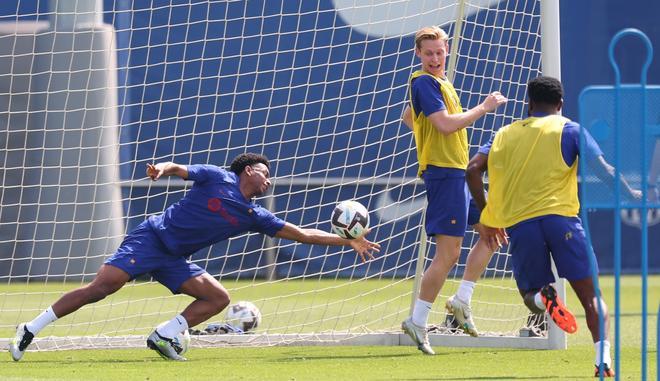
{"points": [[350, 219], [182, 339], [244, 315]]}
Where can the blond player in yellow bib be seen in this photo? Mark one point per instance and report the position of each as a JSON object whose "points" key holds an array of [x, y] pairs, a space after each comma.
{"points": [[438, 123]]}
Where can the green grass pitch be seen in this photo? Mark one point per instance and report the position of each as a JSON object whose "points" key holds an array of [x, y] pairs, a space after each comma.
{"points": [[343, 363]]}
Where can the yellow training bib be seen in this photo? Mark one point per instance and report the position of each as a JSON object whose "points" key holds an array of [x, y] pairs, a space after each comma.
{"points": [[527, 173], [434, 148]]}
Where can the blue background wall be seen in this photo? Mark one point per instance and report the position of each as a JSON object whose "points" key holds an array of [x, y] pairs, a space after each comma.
{"points": [[587, 26], [187, 81]]}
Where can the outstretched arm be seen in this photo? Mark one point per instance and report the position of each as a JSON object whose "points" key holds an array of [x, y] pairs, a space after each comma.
{"points": [[593, 156], [605, 172], [361, 245], [156, 171], [447, 123]]}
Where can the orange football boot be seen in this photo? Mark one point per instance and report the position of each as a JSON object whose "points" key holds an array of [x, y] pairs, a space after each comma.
{"points": [[557, 310], [607, 372]]}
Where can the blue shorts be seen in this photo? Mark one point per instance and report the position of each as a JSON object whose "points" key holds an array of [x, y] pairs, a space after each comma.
{"points": [[534, 240], [474, 214], [142, 252], [448, 200]]}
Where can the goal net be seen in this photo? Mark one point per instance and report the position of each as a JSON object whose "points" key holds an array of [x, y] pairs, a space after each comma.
{"points": [[93, 91]]}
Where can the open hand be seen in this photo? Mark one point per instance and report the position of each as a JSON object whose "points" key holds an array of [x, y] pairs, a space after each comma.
{"points": [[364, 247], [494, 237]]}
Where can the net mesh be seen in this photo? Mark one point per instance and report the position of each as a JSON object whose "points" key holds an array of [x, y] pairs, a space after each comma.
{"points": [[90, 96]]}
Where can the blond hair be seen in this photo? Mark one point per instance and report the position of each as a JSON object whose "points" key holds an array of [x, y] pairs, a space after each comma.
{"points": [[429, 33]]}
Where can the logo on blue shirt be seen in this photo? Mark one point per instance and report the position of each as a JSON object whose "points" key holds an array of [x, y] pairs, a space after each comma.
{"points": [[215, 206]]}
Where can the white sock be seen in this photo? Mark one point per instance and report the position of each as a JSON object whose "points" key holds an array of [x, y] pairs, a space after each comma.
{"points": [[173, 327], [41, 321], [465, 290], [539, 301], [421, 311], [607, 359]]}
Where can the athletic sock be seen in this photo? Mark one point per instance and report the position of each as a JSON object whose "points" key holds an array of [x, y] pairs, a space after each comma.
{"points": [[607, 359], [421, 311], [465, 291], [41, 321], [173, 327]]}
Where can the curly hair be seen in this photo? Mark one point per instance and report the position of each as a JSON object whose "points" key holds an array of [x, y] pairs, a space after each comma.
{"points": [[545, 90], [243, 160]]}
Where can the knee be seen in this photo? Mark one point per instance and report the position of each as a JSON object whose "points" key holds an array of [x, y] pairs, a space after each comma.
{"points": [[445, 258], [220, 300], [453, 255]]}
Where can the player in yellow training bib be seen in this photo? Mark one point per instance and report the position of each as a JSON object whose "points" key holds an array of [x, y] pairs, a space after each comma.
{"points": [[438, 123], [532, 171]]}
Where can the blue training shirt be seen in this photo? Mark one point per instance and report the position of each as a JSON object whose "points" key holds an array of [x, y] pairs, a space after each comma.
{"points": [[431, 101], [212, 211]]}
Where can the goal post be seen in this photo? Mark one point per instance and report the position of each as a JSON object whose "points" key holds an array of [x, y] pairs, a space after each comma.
{"points": [[319, 87], [551, 61]]}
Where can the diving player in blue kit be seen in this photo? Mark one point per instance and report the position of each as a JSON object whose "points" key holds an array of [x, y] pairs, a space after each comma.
{"points": [[218, 206]]}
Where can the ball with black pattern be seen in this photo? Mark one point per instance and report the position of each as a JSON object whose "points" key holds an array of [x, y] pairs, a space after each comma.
{"points": [[244, 315], [350, 219]]}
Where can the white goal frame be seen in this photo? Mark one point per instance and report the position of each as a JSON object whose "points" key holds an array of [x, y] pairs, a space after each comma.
{"points": [[553, 339]]}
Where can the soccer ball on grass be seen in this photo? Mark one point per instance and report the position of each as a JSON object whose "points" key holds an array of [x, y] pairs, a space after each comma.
{"points": [[244, 315]]}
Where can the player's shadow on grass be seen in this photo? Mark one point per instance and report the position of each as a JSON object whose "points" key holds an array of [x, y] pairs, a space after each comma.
{"points": [[302, 357], [97, 361], [485, 378]]}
